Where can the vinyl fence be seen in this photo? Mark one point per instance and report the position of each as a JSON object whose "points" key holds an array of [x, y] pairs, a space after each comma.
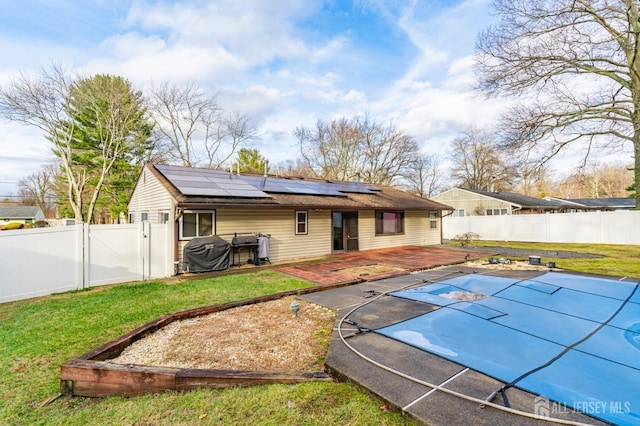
{"points": [[38, 262], [616, 227]]}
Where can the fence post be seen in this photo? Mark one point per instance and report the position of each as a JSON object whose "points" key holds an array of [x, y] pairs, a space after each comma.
{"points": [[146, 250], [86, 267]]}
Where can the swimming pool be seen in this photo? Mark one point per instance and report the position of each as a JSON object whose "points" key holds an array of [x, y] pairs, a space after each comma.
{"points": [[570, 338]]}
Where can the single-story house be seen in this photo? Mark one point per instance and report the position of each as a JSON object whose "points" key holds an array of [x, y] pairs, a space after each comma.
{"points": [[475, 202], [303, 218], [20, 214]]}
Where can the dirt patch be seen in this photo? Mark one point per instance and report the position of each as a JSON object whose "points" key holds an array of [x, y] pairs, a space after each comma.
{"points": [[264, 336], [361, 271], [519, 252], [513, 266]]}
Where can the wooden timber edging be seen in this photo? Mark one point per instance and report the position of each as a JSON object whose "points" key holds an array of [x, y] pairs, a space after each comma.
{"points": [[91, 375]]}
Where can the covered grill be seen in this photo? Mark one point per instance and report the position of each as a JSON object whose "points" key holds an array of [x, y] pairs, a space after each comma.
{"points": [[205, 254]]}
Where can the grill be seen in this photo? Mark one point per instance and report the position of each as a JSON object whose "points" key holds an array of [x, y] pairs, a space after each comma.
{"points": [[242, 241], [248, 243]]}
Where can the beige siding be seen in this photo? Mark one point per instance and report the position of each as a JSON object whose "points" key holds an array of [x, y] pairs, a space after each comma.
{"points": [[279, 223], [286, 245], [416, 231], [150, 196], [470, 202]]}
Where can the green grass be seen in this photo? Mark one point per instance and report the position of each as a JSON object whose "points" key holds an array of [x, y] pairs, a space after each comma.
{"points": [[37, 336], [617, 260]]}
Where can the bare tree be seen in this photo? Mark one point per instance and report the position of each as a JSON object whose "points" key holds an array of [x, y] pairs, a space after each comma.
{"points": [[194, 126], [596, 180], [235, 129], [346, 148], [575, 65], [39, 189], [92, 123], [389, 153], [478, 164], [298, 168], [44, 103], [424, 178]]}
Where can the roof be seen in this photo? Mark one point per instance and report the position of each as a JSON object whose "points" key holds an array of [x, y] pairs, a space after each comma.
{"points": [[199, 188], [523, 201], [19, 212], [621, 203]]}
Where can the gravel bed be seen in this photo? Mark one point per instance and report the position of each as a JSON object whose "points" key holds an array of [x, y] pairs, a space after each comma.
{"points": [[263, 336]]}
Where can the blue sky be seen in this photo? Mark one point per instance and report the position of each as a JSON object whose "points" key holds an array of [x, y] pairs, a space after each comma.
{"points": [[285, 63]]}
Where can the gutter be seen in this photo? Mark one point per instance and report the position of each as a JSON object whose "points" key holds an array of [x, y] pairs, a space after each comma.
{"points": [[187, 206]]}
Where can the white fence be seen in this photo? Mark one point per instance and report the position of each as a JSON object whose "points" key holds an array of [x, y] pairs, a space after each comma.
{"points": [[617, 227], [38, 262]]}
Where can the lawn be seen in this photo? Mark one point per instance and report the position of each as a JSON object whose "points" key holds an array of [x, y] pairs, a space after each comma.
{"points": [[616, 260], [37, 336]]}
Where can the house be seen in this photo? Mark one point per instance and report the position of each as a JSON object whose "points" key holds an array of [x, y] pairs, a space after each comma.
{"points": [[475, 202], [20, 214], [303, 218]]}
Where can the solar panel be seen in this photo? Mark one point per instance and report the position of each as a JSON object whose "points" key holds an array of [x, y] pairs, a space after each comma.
{"points": [[206, 182], [194, 181]]}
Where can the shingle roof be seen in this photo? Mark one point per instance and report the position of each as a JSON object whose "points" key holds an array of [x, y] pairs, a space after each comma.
{"points": [[381, 197], [18, 212], [605, 202], [521, 200]]}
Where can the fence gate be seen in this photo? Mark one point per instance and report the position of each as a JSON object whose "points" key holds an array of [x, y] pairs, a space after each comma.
{"points": [[38, 262]]}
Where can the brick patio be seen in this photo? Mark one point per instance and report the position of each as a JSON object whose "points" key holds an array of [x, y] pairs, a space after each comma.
{"points": [[399, 261]]}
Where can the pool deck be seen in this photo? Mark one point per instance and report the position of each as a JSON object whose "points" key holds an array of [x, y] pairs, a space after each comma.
{"points": [[342, 267], [366, 358]]}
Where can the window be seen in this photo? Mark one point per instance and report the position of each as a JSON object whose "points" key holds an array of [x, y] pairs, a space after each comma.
{"points": [[301, 222], [389, 222], [163, 217], [433, 220], [132, 215], [496, 212], [144, 216], [458, 213], [196, 224]]}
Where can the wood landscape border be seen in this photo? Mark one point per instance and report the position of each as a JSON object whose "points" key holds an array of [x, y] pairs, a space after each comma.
{"points": [[91, 375]]}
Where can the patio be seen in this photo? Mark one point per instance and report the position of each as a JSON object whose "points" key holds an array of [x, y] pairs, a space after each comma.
{"points": [[377, 264]]}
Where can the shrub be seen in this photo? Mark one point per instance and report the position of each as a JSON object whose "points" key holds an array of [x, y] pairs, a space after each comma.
{"points": [[466, 238]]}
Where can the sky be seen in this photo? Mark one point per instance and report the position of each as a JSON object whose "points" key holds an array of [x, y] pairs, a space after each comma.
{"points": [[284, 63]]}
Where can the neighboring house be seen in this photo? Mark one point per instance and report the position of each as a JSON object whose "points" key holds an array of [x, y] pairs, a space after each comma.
{"points": [[20, 214], [303, 217], [474, 202], [582, 204]]}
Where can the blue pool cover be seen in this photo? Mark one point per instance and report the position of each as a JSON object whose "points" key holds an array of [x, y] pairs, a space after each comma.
{"points": [[584, 332]]}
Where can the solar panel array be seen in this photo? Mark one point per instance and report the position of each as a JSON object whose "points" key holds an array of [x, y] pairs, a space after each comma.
{"points": [[218, 183], [207, 182]]}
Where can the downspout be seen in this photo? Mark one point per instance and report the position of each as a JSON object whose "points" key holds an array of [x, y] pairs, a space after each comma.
{"points": [[176, 237]]}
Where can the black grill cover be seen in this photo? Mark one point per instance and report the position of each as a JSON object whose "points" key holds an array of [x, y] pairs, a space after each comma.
{"points": [[205, 254]]}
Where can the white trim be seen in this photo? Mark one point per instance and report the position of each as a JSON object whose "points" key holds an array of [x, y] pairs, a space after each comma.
{"points": [[197, 213], [305, 222]]}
